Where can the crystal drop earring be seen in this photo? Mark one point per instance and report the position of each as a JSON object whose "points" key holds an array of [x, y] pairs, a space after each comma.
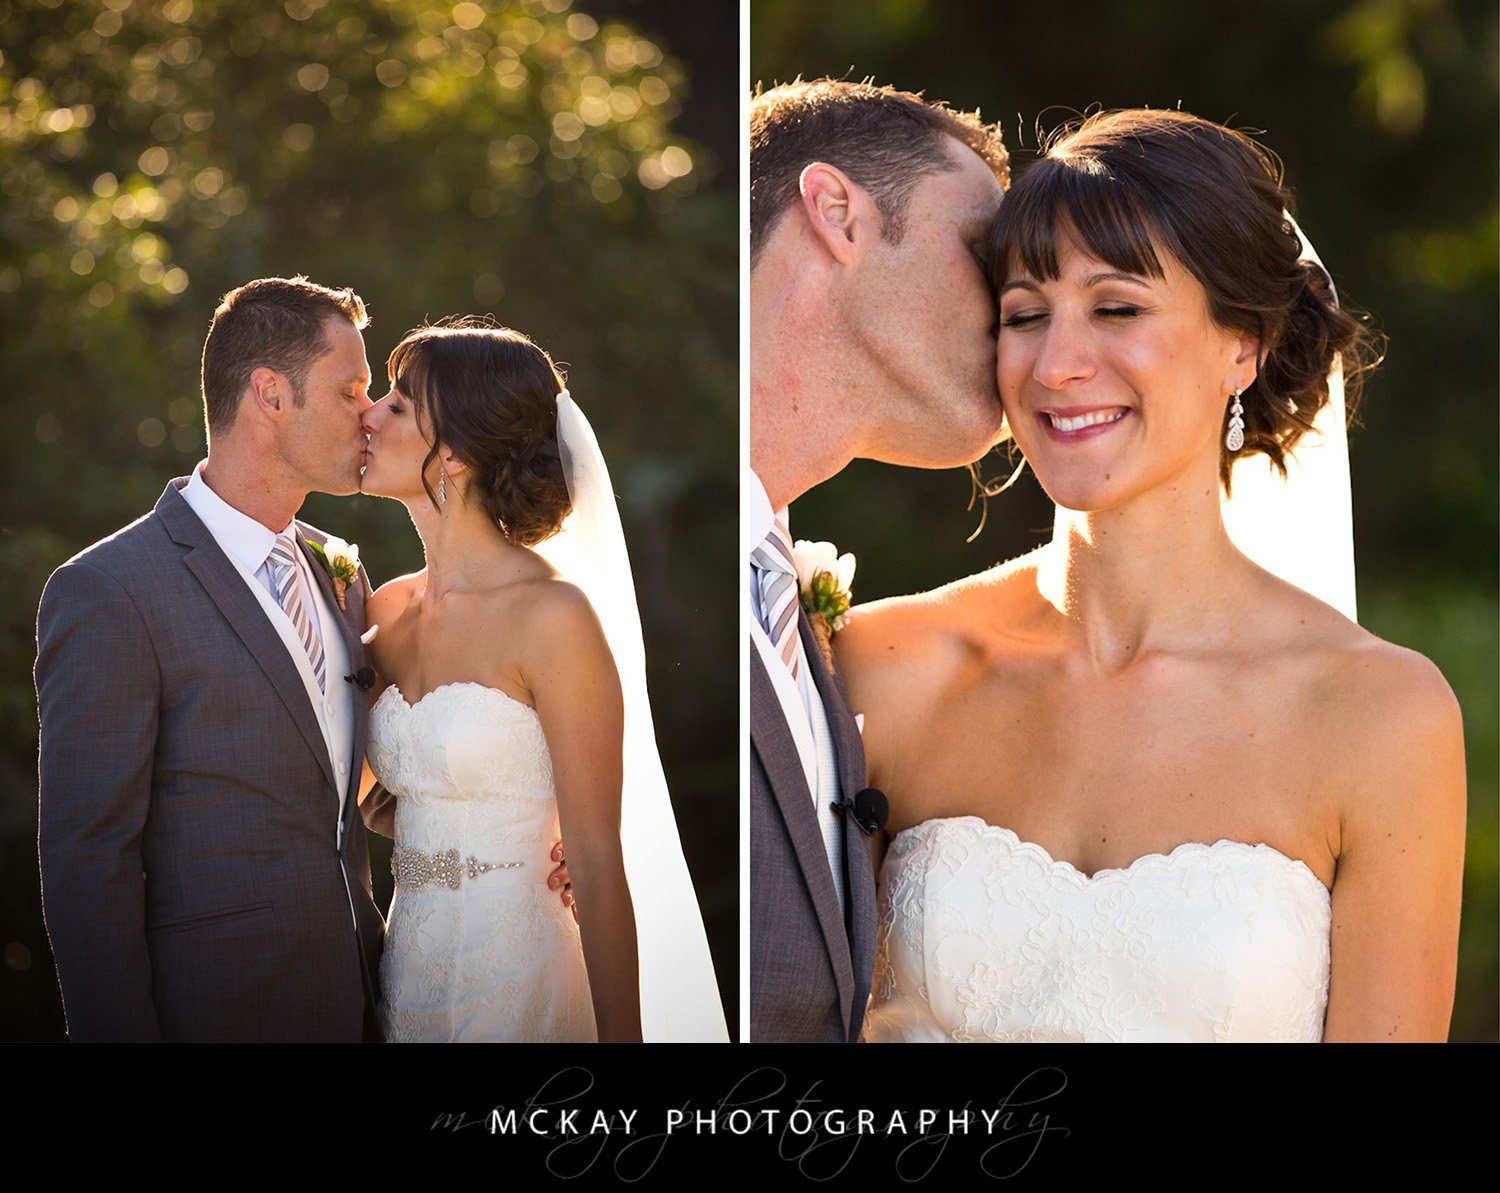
{"points": [[1235, 439]]}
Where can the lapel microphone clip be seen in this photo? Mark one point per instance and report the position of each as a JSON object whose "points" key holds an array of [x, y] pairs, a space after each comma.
{"points": [[364, 680], [869, 810]]}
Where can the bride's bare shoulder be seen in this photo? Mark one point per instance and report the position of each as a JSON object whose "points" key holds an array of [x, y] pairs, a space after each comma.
{"points": [[1382, 718], [1393, 700], [1351, 669], [918, 641], [391, 598], [545, 604]]}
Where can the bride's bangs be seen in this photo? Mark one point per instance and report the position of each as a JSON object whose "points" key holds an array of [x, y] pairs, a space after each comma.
{"points": [[1076, 200], [409, 368]]}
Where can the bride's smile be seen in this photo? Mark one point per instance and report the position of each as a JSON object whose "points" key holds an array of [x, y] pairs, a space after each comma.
{"points": [[1115, 382], [1075, 423]]}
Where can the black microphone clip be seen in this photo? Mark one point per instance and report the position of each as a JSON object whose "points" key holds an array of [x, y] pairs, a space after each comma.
{"points": [[869, 810], [363, 679]]}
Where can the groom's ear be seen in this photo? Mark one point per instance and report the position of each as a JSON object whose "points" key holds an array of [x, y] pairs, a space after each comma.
{"points": [[838, 211], [270, 392]]}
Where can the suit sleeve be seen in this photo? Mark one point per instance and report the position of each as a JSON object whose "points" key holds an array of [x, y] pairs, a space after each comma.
{"points": [[98, 693]]}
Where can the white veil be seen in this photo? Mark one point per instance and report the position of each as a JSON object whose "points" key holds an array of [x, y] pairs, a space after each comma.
{"points": [[679, 996], [1301, 528]]}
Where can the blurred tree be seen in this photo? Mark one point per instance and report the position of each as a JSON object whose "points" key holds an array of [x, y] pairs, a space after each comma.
{"points": [[516, 157]]}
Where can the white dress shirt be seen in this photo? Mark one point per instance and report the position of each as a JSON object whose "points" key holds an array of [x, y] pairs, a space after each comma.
{"points": [[800, 702]]}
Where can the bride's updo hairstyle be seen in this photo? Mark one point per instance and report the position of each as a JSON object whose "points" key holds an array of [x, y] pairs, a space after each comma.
{"points": [[489, 395], [1125, 184]]}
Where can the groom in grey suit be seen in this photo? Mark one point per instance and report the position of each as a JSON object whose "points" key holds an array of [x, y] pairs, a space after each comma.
{"points": [[872, 336], [204, 867]]}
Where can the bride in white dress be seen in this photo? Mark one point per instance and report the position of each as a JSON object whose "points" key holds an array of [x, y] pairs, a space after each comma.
{"points": [[1141, 787], [502, 723]]}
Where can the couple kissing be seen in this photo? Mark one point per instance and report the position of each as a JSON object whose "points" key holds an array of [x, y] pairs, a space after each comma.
{"points": [[205, 872]]}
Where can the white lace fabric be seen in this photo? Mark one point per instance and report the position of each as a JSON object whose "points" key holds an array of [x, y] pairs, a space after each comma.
{"points": [[984, 937], [499, 958]]}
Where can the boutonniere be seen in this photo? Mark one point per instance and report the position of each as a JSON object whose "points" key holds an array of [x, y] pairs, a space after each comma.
{"points": [[341, 561], [824, 581]]}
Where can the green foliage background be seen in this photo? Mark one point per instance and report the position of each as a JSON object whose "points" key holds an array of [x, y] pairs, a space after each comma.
{"points": [[1385, 115], [550, 162]]}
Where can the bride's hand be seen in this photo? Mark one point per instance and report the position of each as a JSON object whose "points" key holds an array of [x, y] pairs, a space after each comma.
{"points": [[376, 804], [558, 880]]}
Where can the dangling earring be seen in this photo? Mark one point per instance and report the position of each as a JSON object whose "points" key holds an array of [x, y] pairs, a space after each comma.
{"points": [[1235, 439], [442, 486]]}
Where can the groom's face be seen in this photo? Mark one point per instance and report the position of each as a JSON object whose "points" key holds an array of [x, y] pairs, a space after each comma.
{"points": [[324, 441], [927, 314]]}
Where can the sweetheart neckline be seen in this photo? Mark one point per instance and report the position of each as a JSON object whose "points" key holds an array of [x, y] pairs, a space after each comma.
{"points": [[457, 683], [1069, 869]]}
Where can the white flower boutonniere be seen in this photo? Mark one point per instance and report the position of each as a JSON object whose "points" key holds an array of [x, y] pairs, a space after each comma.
{"points": [[341, 560], [824, 580]]}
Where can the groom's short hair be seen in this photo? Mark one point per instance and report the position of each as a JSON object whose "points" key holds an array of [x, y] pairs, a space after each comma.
{"points": [[884, 139], [272, 322]]}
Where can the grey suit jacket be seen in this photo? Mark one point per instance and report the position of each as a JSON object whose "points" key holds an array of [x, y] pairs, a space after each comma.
{"points": [[810, 967], [197, 878]]}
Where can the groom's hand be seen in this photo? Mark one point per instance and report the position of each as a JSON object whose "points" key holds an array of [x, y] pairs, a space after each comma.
{"points": [[558, 880]]}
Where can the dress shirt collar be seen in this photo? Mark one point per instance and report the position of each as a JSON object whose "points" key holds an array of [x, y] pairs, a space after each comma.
{"points": [[758, 513], [244, 539]]}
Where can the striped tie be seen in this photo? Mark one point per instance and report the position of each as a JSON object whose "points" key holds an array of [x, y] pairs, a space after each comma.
{"points": [[778, 594], [292, 596]]}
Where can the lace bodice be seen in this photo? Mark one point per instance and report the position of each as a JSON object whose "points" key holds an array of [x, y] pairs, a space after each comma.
{"points": [[458, 741], [985, 937], [476, 949]]}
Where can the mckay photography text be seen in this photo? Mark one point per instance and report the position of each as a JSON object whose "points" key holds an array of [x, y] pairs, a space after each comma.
{"points": [[765, 1117]]}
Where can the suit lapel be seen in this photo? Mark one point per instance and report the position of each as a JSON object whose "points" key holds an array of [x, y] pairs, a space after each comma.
{"points": [[841, 723], [859, 869], [225, 586], [351, 625], [772, 740]]}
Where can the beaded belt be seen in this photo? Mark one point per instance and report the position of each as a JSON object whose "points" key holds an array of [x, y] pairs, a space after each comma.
{"points": [[415, 868]]}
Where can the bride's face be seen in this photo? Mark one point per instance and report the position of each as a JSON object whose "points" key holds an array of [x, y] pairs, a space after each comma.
{"points": [[396, 449], [1115, 383]]}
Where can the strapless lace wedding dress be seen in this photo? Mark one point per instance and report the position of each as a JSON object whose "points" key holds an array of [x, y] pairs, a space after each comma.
{"points": [[984, 937], [478, 947]]}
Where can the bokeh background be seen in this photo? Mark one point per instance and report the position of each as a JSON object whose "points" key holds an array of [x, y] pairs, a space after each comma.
{"points": [[1385, 115], [570, 167]]}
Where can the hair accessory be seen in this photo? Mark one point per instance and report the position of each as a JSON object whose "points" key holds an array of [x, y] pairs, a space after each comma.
{"points": [[1235, 439]]}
